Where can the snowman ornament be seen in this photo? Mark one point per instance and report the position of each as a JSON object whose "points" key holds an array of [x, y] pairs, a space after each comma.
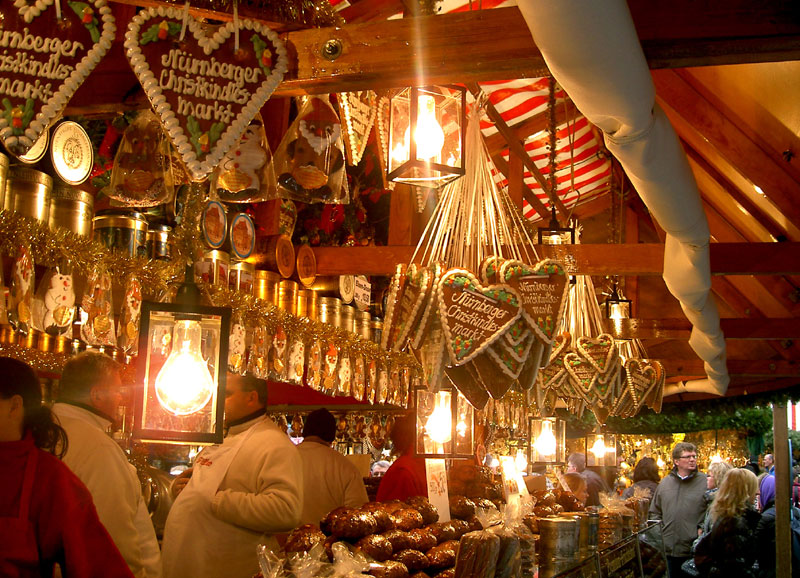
{"points": [[240, 174], [59, 303]]}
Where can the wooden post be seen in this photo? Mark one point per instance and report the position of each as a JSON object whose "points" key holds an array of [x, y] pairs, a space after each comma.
{"points": [[783, 486]]}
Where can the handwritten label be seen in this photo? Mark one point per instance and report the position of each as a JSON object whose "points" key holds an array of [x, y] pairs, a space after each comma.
{"points": [[436, 475], [361, 292]]}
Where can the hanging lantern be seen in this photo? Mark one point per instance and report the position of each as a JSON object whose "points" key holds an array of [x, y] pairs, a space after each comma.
{"points": [[554, 233], [616, 306], [182, 363], [548, 440], [444, 424], [601, 449], [426, 136]]}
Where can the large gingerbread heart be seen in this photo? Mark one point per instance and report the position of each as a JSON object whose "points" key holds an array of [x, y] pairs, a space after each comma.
{"points": [[419, 281], [44, 61], [583, 375], [600, 351], [473, 316], [510, 359], [358, 110], [543, 289], [204, 90]]}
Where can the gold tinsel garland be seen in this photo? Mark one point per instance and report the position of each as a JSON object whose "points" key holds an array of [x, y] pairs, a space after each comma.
{"points": [[315, 13]]}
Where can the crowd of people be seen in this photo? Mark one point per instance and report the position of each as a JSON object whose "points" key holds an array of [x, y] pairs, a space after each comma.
{"points": [[70, 498]]}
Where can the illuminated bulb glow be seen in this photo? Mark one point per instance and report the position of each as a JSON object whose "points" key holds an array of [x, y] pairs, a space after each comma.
{"points": [[428, 134], [716, 458], [599, 448], [545, 444], [184, 385], [439, 424], [521, 461], [618, 311], [660, 463], [624, 465], [461, 428]]}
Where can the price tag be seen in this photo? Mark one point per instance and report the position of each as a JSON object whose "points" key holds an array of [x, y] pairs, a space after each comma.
{"points": [[436, 474], [362, 292]]}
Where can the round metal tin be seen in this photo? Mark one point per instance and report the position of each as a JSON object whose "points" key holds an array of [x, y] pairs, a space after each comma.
{"points": [[214, 224], [242, 236], [37, 151], [71, 152]]}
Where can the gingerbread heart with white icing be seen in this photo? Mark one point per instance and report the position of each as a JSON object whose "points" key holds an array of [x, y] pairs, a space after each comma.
{"points": [[489, 269], [45, 61], [543, 289], [358, 110], [429, 306], [204, 90], [395, 294], [600, 351], [473, 316], [419, 281], [583, 375]]}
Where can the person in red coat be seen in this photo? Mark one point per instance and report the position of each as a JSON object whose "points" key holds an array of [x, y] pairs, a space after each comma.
{"points": [[406, 476], [47, 516]]}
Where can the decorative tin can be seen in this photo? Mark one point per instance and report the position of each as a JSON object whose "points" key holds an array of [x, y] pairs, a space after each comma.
{"points": [[242, 236], [71, 152], [276, 253], [306, 302], [29, 190], [3, 178], [347, 317], [341, 286], [241, 276], [266, 286], [213, 268], [376, 329], [329, 310], [72, 209], [362, 324], [37, 151], [159, 242], [287, 296], [124, 231], [214, 224], [305, 270]]}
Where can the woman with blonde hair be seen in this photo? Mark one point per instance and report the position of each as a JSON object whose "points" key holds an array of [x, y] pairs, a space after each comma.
{"points": [[730, 548], [716, 474]]}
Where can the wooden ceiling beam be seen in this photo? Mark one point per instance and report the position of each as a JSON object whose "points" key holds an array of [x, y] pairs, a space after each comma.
{"points": [[586, 259], [565, 111], [736, 367], [749, 329]]}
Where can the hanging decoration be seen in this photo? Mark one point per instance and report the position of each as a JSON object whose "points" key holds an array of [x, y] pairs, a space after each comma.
{"points": [[52, 54], [54, 303], [208, 89], [246, 174], [358, 111]]}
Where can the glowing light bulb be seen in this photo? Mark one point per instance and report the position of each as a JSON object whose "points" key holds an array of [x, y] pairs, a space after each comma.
{"points": [[545, 444], [439, 424], [660, 463], [716, 458], [618, 311], [599, 448], [428, 135], [184, 385], [461, 428], [521, 461], [624, 465]]}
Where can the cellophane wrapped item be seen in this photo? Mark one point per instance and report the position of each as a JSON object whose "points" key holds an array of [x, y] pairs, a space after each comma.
{"points": [[23, 280], [246, 174], [54, 303], [616, 521], [478, 553], [142, 173], [639, 504], [309, 162], [130, 316], [98, 307], [347, 563], [271, 564], [311, 564]]}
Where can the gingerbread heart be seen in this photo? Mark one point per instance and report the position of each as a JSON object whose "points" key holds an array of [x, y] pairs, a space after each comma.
{"points": [[489, 269], [419, 281], [358, 110], [45, 60], [467, 381], [553, 375], [600, 351], [430, 300], [510, 359], [396, 288], [530, 370], [583, 375], [517, 333], [473, 316], [204, 90], [496, 381], [543, 290]]}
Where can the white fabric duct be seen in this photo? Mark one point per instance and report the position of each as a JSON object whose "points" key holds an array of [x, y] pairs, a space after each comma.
{"points": [[601, 66]]}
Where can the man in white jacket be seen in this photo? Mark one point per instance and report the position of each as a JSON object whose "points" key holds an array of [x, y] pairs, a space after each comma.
{"points": [[238, 494], [330, 479], [89, 397]]}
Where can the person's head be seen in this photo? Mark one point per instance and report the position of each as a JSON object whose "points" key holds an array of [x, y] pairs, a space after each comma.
{"points": [[94, 379], [716, 474], [321, 424], [684, 456], [769, 461], [766, 492], [646, 469], [21, 409], [379, 468], [403, 434], [244, 395], [576, 463], [738, 490], [577, 485]]}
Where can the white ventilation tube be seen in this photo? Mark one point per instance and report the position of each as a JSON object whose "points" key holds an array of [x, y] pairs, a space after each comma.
{"points": [[592, 49]]}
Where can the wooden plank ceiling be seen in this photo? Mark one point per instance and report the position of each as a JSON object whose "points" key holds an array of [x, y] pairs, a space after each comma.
{"points": [[727, 75]]}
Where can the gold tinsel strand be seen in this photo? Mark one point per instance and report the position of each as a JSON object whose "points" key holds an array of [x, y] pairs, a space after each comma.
{"points": [[314, 13]]}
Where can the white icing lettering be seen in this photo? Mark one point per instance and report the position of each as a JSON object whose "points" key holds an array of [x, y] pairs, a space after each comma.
{"points": [[179, 60], [204, 111], [26, 41]]}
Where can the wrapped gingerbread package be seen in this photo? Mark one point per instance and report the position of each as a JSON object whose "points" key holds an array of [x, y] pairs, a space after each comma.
{"points": [[478, 553], [309, 162]]}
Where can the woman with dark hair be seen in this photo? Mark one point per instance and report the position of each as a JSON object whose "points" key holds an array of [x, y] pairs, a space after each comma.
{"points": [[47, 516], [645, 476], [406, 476]]}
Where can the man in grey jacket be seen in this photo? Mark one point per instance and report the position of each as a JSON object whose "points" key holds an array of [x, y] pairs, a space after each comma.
{"points": [[678, 503]]}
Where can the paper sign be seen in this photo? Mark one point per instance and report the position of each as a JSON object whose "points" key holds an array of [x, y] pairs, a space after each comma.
{"points": [[513, 484], [362, 291], [436, 474]]}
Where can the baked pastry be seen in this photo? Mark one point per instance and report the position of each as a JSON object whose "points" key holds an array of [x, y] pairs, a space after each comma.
{"points": [[375, 546], [443, 531], [422, 539], [353, 524], [389, 569], [304, 538], [477, 555], [407, 519], [443, 555], [383, 519], [449, 573], [413, 559], [325, 523], [461, 527], [461, 507], [474, 524], [424, 507], [398, 539]]}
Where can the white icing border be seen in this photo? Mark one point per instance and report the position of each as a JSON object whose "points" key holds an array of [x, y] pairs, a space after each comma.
{"points": [[395, 287], [479, 286], [431, 299], [54, 106], [233, 132], [344, 103], [612, 352], [587, 392], [426, 286]]}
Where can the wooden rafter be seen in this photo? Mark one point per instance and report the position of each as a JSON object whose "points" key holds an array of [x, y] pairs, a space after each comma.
{"points": [[781, 328], [565, 111], [736, 367]]}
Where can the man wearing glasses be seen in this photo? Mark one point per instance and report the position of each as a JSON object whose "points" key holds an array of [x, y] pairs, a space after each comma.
{"points": [[678, 503]]}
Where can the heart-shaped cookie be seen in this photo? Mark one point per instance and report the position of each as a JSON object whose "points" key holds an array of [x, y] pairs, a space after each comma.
{"points": [[204, 90], [583, 376], [495, 380], [419, 333], [489, 269], [419, 281], [473, 316], [542, 289], [530, 370], [600, 351], [466, 380], [654, 399], [510, 359], [358, 111], [44, 61], [518, 332], [553, 375], [396, 288]]}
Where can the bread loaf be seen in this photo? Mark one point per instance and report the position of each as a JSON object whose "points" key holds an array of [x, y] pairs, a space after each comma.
{"points": [[398, 539], [477, 555], [376, 547], [413, 559], [407, 519], [353, 524], [424, 507], [389, 569], [461, 507], [304, 538], [422, 539], [443, 555]]}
